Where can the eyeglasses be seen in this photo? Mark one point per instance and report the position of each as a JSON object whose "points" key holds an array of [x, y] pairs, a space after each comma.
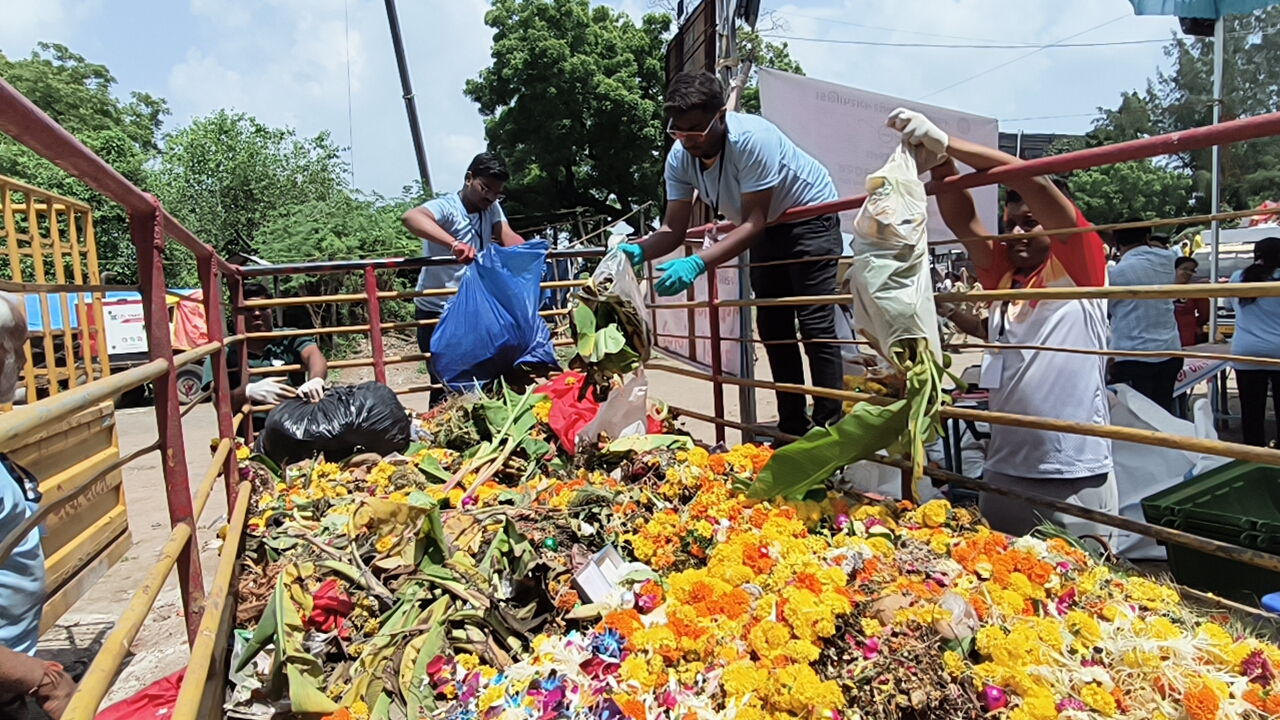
{"points": [[489, 192], [682, 134]]}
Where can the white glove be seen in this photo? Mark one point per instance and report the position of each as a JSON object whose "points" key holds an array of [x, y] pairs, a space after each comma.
{"points": [[270, 391], [919, 130], [312, 390]]}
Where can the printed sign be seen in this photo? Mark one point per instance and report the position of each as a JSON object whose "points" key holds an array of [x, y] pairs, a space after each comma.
{"points": [[125, 327]]}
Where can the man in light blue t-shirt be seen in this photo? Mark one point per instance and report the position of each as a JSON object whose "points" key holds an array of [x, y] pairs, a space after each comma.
{"points": [[462, 223], [749, 173]]}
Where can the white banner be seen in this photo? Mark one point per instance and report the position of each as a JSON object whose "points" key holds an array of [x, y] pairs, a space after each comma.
{"points": [[843, 128]]}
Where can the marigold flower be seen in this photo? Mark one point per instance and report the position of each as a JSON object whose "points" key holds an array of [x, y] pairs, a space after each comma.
{"points": [[1100, 700], [1201, 703]]}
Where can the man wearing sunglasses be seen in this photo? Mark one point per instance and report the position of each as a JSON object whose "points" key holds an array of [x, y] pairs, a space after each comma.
{"points": [[749, 173], [462, 222]]}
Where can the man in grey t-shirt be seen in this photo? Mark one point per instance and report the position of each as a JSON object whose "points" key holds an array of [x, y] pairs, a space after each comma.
{"points": [[462, 222]]}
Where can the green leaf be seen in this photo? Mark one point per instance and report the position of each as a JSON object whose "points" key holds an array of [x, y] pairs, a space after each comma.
{"points": [[584, 320], [431, 468], [647, 443], [268, 463], [610, 340], [262, 634], [304, 696], [808, 462]]}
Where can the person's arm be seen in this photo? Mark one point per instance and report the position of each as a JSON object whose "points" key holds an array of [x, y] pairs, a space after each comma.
{"points": [[961, 217], [1047, 203], [505, 235], [313, 360], [971, 325], [422, 222], [755, 214], [675, 226]]}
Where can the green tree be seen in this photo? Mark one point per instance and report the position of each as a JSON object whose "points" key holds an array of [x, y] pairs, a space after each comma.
{"points": [[573, 101], [78, 94], [1147, 189], [225, 176], [762, 53], [1251, 86]]}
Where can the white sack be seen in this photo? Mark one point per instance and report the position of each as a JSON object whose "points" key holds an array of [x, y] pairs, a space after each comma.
{"points": [[1143, 470], [892, 286]]}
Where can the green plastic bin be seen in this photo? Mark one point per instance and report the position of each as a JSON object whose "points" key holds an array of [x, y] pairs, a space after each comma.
{"points": [[1238, 503]]}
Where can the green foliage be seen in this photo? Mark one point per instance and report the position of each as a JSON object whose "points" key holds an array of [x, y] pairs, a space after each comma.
{"points": [[227, 175], [762, 53], [78, 95], [573, 102]]}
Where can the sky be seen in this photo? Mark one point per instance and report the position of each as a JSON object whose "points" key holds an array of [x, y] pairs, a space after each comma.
{"points": [[328, 65]]}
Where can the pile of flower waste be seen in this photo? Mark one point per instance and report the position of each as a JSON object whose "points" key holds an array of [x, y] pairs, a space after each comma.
{"points": [[441, 583]]}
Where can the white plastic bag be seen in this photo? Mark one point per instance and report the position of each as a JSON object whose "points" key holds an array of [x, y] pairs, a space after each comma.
{"points": [[892, 287], [1143, 470], [626, 412], [615, 281]]}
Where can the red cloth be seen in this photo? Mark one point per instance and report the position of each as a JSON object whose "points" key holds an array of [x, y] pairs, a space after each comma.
{"points": [[329, 607], [153, 702], [190, 330], [1191, 316], [568, 413]]}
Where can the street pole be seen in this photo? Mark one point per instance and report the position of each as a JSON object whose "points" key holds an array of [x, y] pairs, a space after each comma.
{"points": [[410, 105], [1219, 40]]}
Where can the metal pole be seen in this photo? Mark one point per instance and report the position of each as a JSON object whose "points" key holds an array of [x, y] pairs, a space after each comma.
{"points": [[1219, 39], [375, 325], [410, 105], [211, 283], [147, 232]]}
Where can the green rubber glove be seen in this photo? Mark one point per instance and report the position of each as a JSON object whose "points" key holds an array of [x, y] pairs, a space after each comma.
{"points": [[634, 253], [678, 275]]}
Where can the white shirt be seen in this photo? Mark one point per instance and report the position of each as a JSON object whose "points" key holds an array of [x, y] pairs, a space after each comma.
{"points": [[1057, 386], [474, 229]]}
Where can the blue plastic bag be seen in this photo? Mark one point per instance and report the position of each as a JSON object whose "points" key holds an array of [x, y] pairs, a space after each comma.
{"points": [[492, 324]]}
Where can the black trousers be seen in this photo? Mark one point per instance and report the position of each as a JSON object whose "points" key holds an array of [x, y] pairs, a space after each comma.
{"points": [[1153, 379], [817, 237], [424, 346], [1252, 385]]}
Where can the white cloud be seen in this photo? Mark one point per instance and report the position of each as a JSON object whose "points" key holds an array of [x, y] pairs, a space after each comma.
{"points": [[23, 20]]}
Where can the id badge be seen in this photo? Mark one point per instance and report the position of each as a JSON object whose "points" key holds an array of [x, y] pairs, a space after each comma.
{"points": [[992, 370]]}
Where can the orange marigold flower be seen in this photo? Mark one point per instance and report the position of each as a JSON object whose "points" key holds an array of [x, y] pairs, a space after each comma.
{"points": [[979, 606], [717, 464], [809, 582], [631, 707], [625, 622], [1201, 703]]}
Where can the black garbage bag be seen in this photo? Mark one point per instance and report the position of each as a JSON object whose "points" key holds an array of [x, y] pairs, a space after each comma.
{"points": [[348, 419]]}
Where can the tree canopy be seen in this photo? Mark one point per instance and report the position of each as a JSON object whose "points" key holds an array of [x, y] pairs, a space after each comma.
{"points": [[573, 103]]}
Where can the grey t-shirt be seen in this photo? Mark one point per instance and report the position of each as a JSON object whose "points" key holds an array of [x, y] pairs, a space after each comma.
{"points": [[474, 229]]}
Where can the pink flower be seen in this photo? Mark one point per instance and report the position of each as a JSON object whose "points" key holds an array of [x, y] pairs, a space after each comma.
{"points": [[1070, 703]]}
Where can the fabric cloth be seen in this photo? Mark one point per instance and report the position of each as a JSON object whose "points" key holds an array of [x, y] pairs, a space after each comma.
{"points": [[190, 329], [1191, 315], [818, 237], [1058, 386], [757, 156], [1147, 325], [1153, 379], [22, 575], [1096, 492], [285, 350], [474, 229], [1253, 385], [424, 345], [1257, 331]]}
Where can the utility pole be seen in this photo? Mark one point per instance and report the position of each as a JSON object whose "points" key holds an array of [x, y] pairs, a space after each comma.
{"points": [[410, 105]]}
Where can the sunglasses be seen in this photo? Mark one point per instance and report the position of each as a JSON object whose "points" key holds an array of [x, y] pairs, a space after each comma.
{"points": [[683, 134]]}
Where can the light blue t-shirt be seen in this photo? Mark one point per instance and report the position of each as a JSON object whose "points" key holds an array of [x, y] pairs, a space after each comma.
{"points": [[1147, 325], [757, 156], [22, 575], [474, 229], [1257, 332]]}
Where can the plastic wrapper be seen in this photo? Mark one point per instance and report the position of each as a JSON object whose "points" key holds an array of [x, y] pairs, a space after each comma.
{"points": [[348, 419], [892, 288], [492, 325], [610, 326]]}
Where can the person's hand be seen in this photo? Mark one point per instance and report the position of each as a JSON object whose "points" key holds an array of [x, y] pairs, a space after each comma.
{"points": [[462, 252], [919, 130], [634, 253], [312, 390], [678, 275], [270, 391]]}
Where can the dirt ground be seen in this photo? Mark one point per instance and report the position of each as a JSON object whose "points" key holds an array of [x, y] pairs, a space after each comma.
{"points": [[160, 648]]}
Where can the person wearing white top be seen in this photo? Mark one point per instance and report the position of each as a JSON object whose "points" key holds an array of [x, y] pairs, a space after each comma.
{"points": [[1063, 466]]}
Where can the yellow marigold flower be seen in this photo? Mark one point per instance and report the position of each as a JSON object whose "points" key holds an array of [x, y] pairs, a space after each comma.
{"points": [[768, 638], [871, 627], [491, 696], [934, 513], [988, 637], [940, 544], [266, 501], [242, 453], [542, 411], [385, 543], [953, 663], [698, 457], [398, 497], [1084, 627], [801, 651], [1100, 700], [1020, 584], [359, 710], [742, 678], [881, 547], [467, 661], [1215, 635]]}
